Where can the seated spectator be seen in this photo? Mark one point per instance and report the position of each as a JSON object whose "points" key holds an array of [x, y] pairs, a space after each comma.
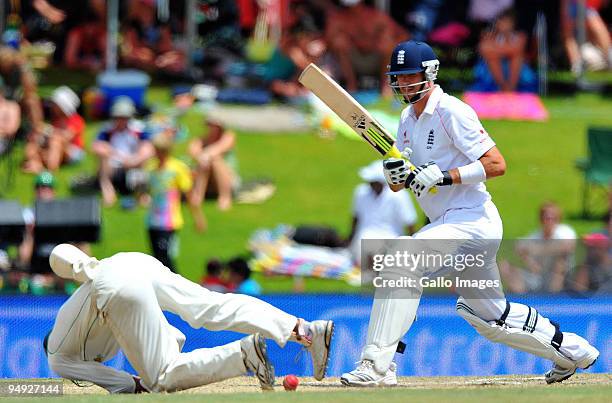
{"points": [[595, 274], [378, 212], [548, 255], [62, 140], [240, 278], [10, 120], [147, 42], [213, 279], [121, 146], [598, 37], [362, 38], [86, 44], [215, 171], [300, 47], [503, 50], [169, 179], [19, 86]]}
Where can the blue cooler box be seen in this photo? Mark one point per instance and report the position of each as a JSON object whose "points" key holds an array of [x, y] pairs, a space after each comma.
{"points": [[131, 83]]}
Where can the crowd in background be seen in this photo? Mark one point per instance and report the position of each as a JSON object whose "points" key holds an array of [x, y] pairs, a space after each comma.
{"points": [[265, 44]]}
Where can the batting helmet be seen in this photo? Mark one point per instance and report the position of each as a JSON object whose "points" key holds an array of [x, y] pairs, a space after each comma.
{"points": [[412, 57]]}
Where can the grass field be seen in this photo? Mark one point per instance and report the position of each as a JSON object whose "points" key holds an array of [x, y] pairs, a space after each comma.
{"points": [[592, 388], [315, 179]]}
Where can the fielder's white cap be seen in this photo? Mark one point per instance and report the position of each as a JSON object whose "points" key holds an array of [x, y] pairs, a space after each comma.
{"points": [[373, 172], [349, 3], [65, 99], [123, 107], [69, 262]]}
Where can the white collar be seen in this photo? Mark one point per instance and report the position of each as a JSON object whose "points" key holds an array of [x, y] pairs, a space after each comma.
{"points": [[434, 100]]}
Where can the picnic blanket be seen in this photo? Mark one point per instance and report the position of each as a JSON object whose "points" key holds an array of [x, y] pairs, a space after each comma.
{"points": [[507, 105], [276, 253]]}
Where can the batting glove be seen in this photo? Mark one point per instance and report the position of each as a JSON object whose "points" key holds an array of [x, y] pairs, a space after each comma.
{"points": [[423, 178], [396, 170]]}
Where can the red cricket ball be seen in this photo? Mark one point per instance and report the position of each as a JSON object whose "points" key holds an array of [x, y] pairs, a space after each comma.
{"points": [[291, 382]]}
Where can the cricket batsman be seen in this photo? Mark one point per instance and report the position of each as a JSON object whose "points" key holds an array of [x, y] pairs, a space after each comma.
{"points": [[120, 305], [452, 151]]}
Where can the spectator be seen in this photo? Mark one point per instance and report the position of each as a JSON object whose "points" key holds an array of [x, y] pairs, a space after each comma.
{"points": [[361, 38], [19, 86], [121, 146], [378, 212], [548, 255], [240, 277], [169, 179], [215, 169], [503, 50], [10, 120], [213, 280], [597, 34], [147, 42], [596, 272], [303, 44], [62, 141], [86, 44]]}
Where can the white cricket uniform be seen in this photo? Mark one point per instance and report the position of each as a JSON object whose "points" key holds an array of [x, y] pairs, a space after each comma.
{"points": [[380, 216], [121, 307], [449, 133]]}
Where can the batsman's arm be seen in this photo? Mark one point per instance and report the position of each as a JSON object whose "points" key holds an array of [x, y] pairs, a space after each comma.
{"points": [[492, 164]]}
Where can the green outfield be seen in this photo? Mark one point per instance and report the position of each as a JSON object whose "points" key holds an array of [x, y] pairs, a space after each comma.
{"points": [[591, 388], [315, 179]]}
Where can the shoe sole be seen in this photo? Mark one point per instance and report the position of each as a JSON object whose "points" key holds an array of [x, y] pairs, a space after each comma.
{"points": [[261, 350], [550, 382], [345, 382], [329, 333], [570, 375]]}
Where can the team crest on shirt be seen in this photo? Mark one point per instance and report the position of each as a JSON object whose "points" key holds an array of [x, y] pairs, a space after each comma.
{"points": [[430, 139]]}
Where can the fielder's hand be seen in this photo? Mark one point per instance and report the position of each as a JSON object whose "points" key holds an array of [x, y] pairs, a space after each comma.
{"points": [[423, 178]]}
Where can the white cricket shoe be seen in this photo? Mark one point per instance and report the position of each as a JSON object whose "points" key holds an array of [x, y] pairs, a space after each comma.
{"points": [[255, 357], [321, 332], [366, 375], [559, 374]]}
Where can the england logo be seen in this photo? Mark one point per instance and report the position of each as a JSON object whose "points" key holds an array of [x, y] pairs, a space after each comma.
{"points": [[400, 57]]}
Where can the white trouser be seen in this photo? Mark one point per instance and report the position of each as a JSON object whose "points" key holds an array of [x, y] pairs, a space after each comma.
{"points": [[132, 307], [391, 317]]}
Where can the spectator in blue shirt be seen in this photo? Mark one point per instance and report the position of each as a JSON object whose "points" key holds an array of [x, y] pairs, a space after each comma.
{"points": [[121, 146], [240, 277]]}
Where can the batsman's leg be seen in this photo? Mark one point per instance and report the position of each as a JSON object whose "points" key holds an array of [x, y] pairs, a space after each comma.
{"points": [[393, 312], [522, 327]]}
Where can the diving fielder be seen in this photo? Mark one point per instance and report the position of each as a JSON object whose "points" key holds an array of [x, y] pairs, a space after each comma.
{"points": [[443, 137], [120, 304]]}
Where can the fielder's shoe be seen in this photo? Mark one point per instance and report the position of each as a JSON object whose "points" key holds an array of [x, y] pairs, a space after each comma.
{"points": [[255, 357], [366, 375], [559, 374], [321, 332]]}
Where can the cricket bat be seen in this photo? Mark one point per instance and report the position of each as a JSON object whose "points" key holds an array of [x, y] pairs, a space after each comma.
{"points": [[351, 112]]}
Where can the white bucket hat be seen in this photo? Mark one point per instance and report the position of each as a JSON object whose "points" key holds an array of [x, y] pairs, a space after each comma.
{"points": [[65, 99], [69, 262], [123, 107], [373, 172]]}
